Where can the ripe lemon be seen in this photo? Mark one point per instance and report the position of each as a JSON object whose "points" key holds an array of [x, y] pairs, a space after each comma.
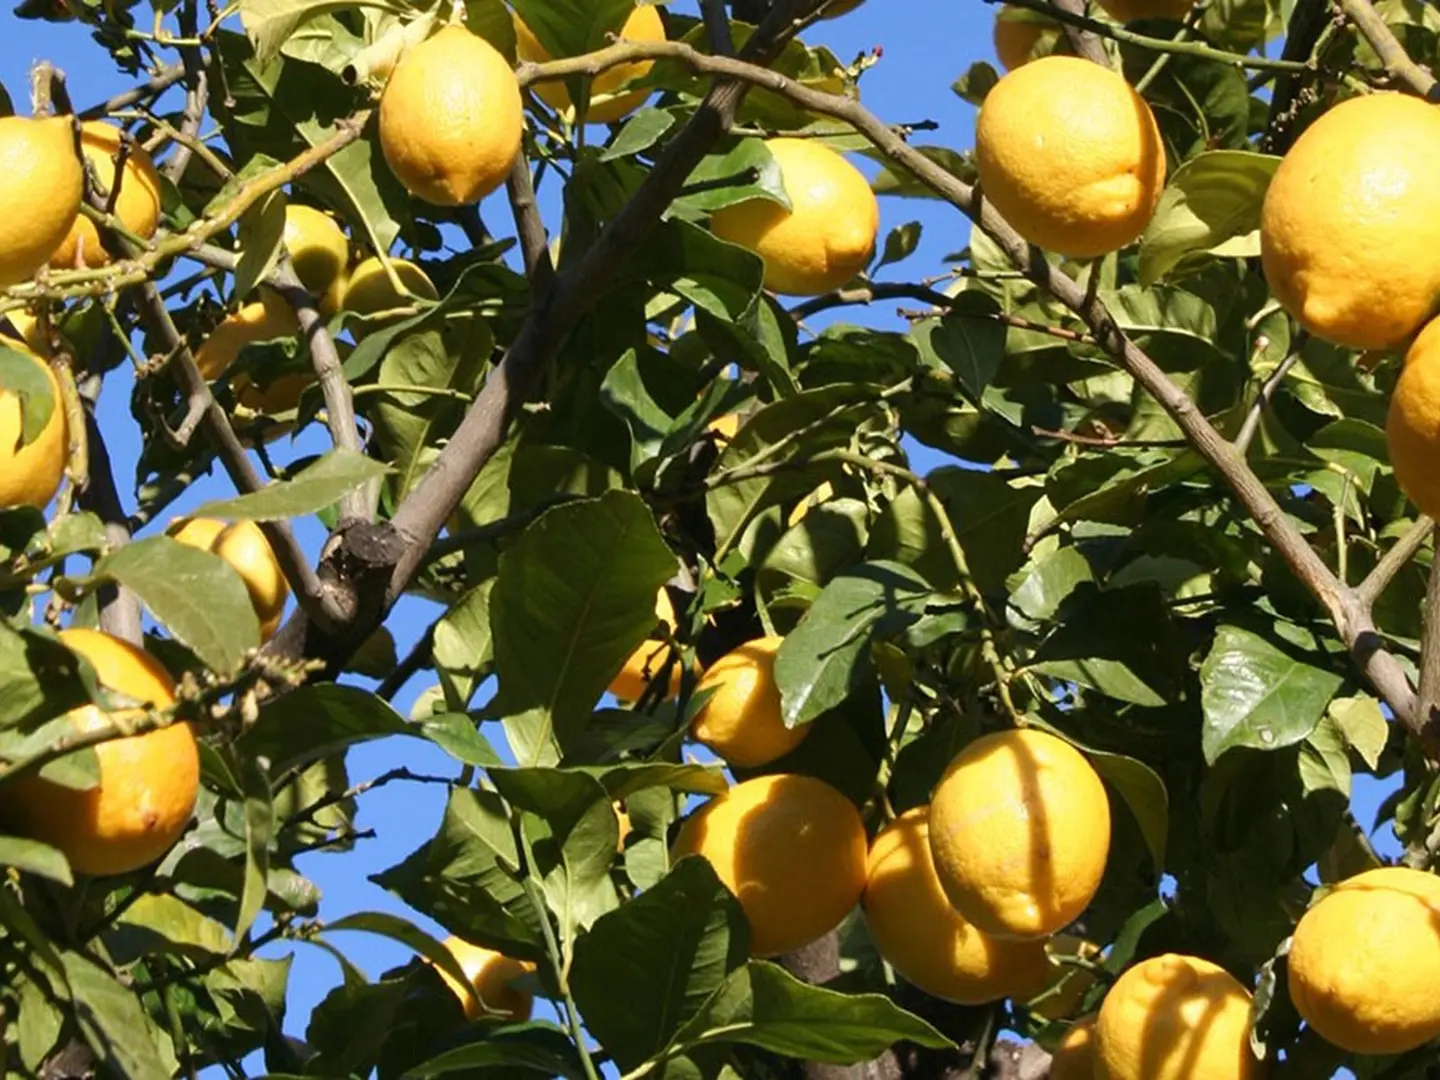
{"points": [[724, 427], [244, 547], [1070, 155], [645, 662], [451, 118], [148, 783], [1074, 1057], [606, 106], [319, 252], [1017, 36], [922, 936], [137, 206], [370, 292], [792, 850], [828, 234], [41, 184], [1412, 425], [1175, 1018], [267, 319], [1365, 962], [30, 474], [1020, 828], [741, 720], [493, 975], [1350, 229], [1130, 10]]}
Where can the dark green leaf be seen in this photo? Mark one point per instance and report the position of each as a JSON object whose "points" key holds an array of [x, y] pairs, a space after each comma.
{"points": [[968, 340], [260, 232], [22, 376], [319, 719], [33, 857], [643, 130], [1144, 792], [407, 933], [39, 677], [111, 1020], [259, 831], [746, 171], [530, 1048], [900, 244]]}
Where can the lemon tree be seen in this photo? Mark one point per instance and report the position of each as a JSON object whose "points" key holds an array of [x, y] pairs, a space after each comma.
{"points": [[874, 599]]}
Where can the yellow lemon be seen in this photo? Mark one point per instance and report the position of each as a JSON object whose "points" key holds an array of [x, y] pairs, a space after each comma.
{"points": [[791, 849], [606, 105], [318, 251], [137, 206], [369, 291], [1175, 1018], [922, 936], [1412, 425], [724, 427], [1070, 155], [30, 474], [1017, 36], [493, 975], [1350, 228], [828, 234], [244, 547], [148, 783], [41, 184], [451, 118], [1130, 10], [267, 319], [645, 662], [1020, 828], [1365, 962], [825, 491], [1074, 1057], [741, 719]]}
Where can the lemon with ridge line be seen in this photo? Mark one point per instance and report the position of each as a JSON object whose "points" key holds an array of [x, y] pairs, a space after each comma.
{"points": [[137, 206], [31, 474], [607, 104], [41, 185]]}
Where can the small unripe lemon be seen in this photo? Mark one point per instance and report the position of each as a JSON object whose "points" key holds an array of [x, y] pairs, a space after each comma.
{"points": [[792, 850], [606, 106], [451, 118], [1365, 962], [646, 662], [1074, 1057], [41, 184], [137, 206], [1070, 155], [493, 975], [319, 252], [741, 720], [148, 783], [1020, 829], [267, 319], [925, 939], [1412, 425], [828, 234], [30, 474], [1175, 1018]]}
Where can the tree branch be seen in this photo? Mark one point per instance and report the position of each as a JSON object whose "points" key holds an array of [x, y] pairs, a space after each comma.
{"points": [[157, 85], [119, 607], [1393, 561], [1083, 39], [1267, 391], [1398, 64]]}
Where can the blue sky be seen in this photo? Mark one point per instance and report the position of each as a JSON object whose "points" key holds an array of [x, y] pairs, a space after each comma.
{"points": [[927, 44]]}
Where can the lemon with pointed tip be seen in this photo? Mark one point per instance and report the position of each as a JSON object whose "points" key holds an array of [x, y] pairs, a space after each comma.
{"points": [[1175, 1018], [494, 976], [319, 252], [31, 474], [137, 204], [923, 938], [1074, 1057], [1365, 961], [147, 783], [741, 720], [267, 319], [41, 184], [792, 850], [451, 118], [1070, 155], [607, 103], [1020, 829], [825, 238], [1350, 226]]}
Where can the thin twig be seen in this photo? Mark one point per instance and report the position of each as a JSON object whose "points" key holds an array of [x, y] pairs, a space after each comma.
{"points": [[119, 607], [1267, 391], [1394, 560], [157, 85], [1398, 64]]}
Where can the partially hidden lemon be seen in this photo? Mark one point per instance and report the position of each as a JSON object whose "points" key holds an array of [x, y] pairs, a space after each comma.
{"points": [[925, 939], [741, 720], [1365, 962], [148, 783], [370, 292], [242, 545], [1175, 1018], [41, 184], [1069, 983], [1017, 34], [1070, 155], [493, 975], [30, 474], [1074, 1057], [1132, 10], [319, 252], [828, 234], [606, 104], [451, 118], [1412, 424], [646, 662], [792, 850], [267, 319], [1350, 227], [137, 204], [1020, 829]]}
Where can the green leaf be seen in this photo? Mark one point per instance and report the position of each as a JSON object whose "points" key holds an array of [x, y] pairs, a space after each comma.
{"points": [[22, 376], [1363, 724], [1255, 695], [763, 339], [316, 720], [38, 1022], [670, 948], [900, 244], [764, 1005], [260, 232], [197, 596], [260, 823], [33, 857], [532, 1048], [407, 933], [269, 23], [824, 659], [991, 517], [644, 129], [1144, 792], [39, 677], [718, 278], [1212, 204], [315, 488], [968, 340], [111, 1020], [456, 734], [572, 27], [575, 596], [167, 924], [895, 180], [746, 171]]}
